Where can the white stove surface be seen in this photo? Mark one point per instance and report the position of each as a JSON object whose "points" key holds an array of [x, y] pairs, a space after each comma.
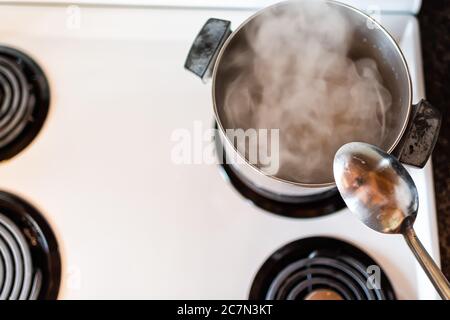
{"points": [[130, 223]]}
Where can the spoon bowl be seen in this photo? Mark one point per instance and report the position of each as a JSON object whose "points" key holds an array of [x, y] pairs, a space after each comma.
{"points": [[380, 192], [376, 187]]}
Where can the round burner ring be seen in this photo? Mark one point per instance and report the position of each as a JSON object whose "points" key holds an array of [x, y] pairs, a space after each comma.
{"points": [[24, 101], [30, 263], [317, 267]]}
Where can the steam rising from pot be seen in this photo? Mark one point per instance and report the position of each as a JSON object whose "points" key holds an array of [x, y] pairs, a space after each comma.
{"points": [[294, 74]]}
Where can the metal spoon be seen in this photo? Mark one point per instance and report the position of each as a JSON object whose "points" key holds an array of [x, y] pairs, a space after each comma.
{"points": [[379, 190]]}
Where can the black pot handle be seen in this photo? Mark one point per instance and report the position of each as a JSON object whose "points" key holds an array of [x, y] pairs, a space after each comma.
{"points": [[421, 135], [206, 46]]}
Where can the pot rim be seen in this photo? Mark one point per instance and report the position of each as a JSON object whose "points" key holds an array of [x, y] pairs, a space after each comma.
{"points": [[332, 2]]}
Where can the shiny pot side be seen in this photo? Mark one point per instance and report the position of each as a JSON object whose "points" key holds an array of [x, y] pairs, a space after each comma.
{"points": [[413, 129]]}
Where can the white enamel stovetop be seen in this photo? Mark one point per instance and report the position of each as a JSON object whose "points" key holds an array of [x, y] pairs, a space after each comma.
{"points": [[131, 224]]}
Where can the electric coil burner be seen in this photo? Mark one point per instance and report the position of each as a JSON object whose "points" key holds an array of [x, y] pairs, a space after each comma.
{"points": [[30, 266], [294, 207], [321, 269], [24, 101], [91, 92]]}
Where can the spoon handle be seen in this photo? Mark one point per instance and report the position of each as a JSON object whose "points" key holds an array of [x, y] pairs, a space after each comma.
{"points": [[429, 266]]}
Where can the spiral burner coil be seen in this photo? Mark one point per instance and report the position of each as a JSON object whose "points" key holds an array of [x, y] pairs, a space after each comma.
{"points": [[24, 101], [29, 257], [321, 268]]}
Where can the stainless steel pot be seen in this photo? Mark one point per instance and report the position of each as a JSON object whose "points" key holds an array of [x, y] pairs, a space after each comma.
{"points": [[413, 128]]}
